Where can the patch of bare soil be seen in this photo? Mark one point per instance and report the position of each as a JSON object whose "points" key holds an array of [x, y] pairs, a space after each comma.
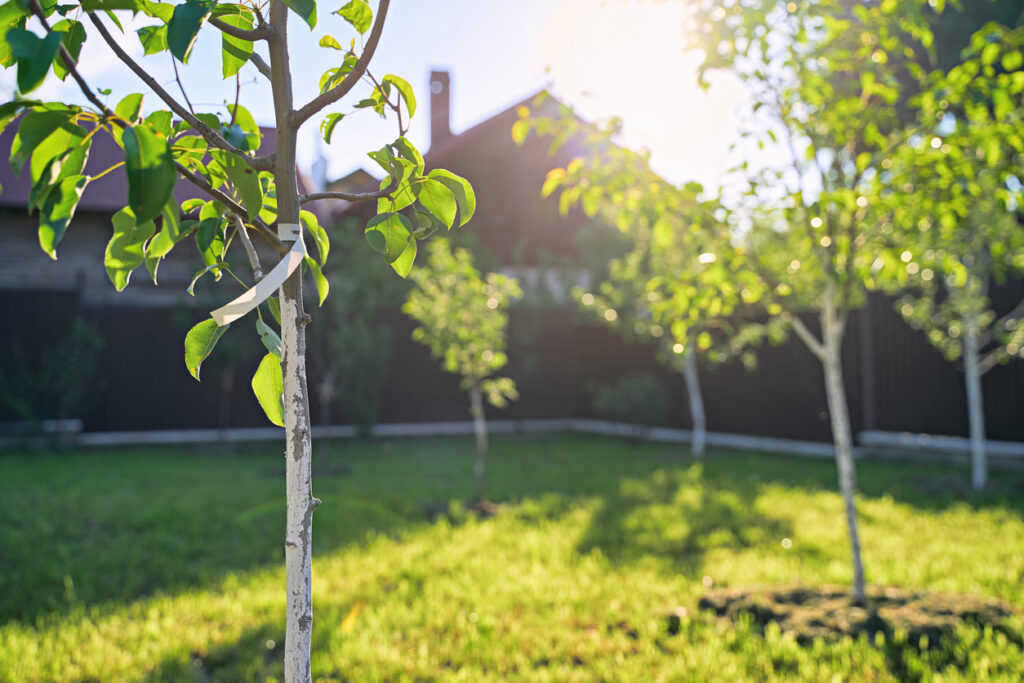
{"points": [[830, 612]]}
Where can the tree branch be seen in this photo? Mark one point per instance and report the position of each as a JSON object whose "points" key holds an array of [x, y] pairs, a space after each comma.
{"points": [[261, 32], [807, 337], [212, 136], [250, 250], [350, 196], [195, 179], [337, 92], [232, 205], [70, 63], [260, 65]]}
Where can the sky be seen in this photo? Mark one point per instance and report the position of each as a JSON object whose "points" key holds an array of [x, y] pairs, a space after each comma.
{"points": [[605, 57]]}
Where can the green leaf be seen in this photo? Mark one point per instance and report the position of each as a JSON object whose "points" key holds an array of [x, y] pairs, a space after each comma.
{"points": [[437, 199], [11, 15], [322, 286], [245, 179], [210, 241], [269, 337], [410, 153], [405, 90], [331, 42], [389, 235], [128, 109], [70, 161], [158, 10], [323, 242], [199, 343], [245, 121], [235, 51], [268, 385], [305, 9], [462, 191], [65, 138], [357, 13], [275, 308], [153, 38], [184, 26], [328, 124], [58, 210], [125, 249], [403, 264], [151, 171], [34, 56], [74, 36], [212, 268]]}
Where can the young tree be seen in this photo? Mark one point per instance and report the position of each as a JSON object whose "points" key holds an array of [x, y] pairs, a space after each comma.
{"points": [[955, 197], [825, 77], [248, 192], [463, 318], [672, 285]]}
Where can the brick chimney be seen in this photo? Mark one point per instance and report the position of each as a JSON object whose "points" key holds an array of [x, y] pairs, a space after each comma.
{"points": [[440, 107]]}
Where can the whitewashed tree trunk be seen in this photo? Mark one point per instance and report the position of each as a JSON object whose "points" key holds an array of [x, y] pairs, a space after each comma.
{"points": [[975, 407], [842, 438], [828, 352], [480, 432], [298, 544], [696, 401]]}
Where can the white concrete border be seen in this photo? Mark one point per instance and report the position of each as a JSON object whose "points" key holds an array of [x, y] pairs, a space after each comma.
{"points": [[872, 442]]}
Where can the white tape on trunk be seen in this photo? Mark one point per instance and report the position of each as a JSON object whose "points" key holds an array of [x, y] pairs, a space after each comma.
{"points": [[266, 287]]}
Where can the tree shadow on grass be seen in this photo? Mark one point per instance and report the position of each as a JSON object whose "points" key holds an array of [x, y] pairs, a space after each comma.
{"points": [[91, 529], [679, 515], [256, 656]]}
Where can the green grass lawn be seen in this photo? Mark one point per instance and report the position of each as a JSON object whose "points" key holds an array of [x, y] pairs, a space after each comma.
{"points": [[167, 564]]}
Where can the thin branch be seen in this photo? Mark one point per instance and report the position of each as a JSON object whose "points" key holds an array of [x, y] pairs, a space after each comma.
{"points": [[260, 65], [232, 205], [337, 92], [808, 338], [70, 63], [350, 196], [261, 32], [250, 251], [212, 136], [181, 86]]}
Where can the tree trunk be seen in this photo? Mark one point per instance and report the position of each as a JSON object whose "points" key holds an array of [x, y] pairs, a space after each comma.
{"points": [[842, 438], [480, 431], [975, 408], [298, 544], [696, 401]]}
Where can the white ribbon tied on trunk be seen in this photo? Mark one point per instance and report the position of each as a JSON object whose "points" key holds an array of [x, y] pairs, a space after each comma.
{"points": [[266, 287]]}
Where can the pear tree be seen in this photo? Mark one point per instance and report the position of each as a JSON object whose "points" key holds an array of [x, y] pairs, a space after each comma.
{"points": [[463, 319], [955, 197], [247, 196]]}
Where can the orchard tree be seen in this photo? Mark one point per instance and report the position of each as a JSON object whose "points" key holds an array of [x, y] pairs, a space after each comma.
{"points": [[955, 192], [463, 318], [248, 194], [823, 88], [673, 285]]}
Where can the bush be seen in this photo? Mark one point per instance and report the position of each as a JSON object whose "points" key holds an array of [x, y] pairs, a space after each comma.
{"points": [[640, 399]]}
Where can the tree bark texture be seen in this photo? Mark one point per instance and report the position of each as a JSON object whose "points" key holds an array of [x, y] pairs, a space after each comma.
{"points": [[842, 438], [696, 401], [476, 409], [298, 438], [975, 408]]}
